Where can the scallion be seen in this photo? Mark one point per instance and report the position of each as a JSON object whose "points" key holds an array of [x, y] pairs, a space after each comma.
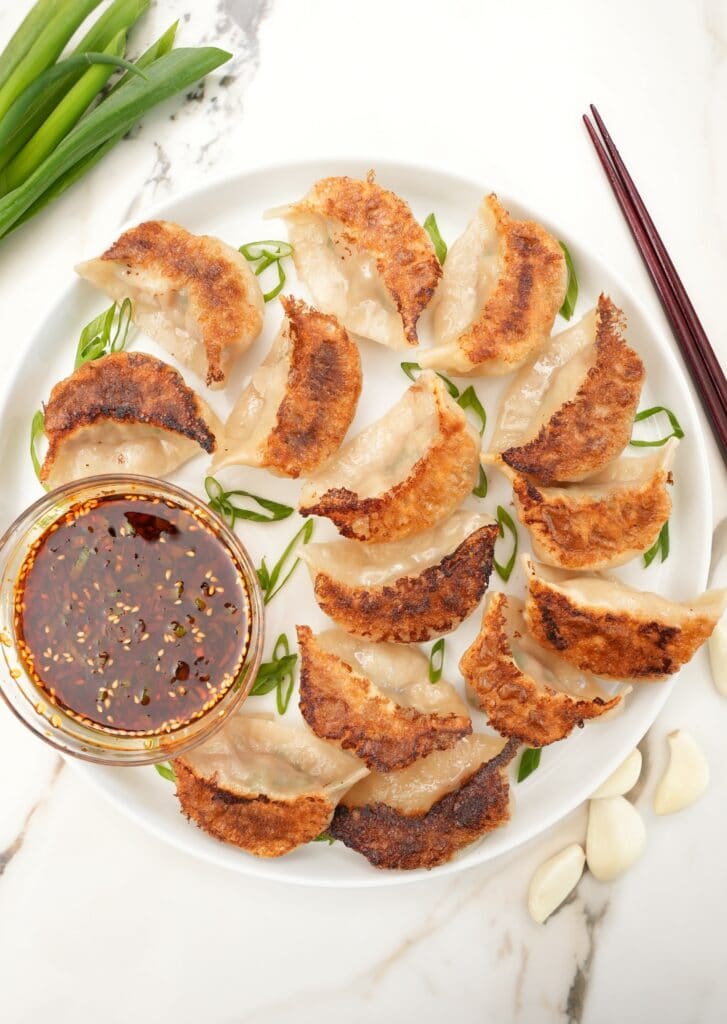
{"points": [[220, 501], [504, 519], [165, 769], [104, 334], [266, 253], [659, 547], [277, 674], [655, 410], [432, 229], [529, 761], [37, 427], [268, 578], [436, 661], [480, 491], [571, 294]]}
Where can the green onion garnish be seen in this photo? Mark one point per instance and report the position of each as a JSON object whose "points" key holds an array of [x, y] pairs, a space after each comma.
{"points": [[277, 674], [413, 370], [469, 400], [676, 430], [480, 491], [37, 427], [529, 761], [571, 293], [104, 334], [166, 771], [504, 519], [266, 253], [268, 578], [324, 837], [221, 502], [436, 661], [432, 229], [660, 547]]}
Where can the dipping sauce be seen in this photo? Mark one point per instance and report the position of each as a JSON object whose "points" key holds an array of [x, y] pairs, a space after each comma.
{"points": [[132, 614]]}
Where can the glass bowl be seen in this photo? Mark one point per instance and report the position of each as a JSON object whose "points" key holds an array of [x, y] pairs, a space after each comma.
{"points": [[32, 705]]}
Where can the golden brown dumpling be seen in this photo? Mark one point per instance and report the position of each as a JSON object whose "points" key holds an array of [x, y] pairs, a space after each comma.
{"points": [[376, 700], [364, 257], [503, 284], [569, 412], [295, 412], [421, 816], [193, 294], [125, 413], [404, 473], [606, 627], [527, 692]]}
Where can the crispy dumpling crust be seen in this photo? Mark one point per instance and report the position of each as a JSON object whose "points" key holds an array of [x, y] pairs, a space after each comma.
{"points": [[436, 485], [515, 704], [341, 705], [595, 426], [388, 838], [379, 221], [592, 534], [415, 608], [324, 385], [261, 825], [613, 644], [518, 316], [124, 387], [225, 310]]}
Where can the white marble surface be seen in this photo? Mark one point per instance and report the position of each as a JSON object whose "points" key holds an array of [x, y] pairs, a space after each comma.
{"points": [[99, 921]]}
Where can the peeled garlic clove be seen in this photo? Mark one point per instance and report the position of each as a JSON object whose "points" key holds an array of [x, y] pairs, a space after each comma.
{"points": [[615, 839], [686, 776], [718, 655], [623, 779], [554, 880]]}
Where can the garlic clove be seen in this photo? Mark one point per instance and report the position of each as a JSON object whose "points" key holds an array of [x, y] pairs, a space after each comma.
{"points": [[718, 655], [623, 779], [615, 838], [686, 776], [555, 879]]}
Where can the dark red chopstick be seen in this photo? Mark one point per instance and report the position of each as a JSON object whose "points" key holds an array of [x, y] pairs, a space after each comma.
{"points": [[688, 331]]}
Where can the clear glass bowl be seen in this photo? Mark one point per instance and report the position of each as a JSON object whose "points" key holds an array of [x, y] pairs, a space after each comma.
{"points": [[31, 705]]}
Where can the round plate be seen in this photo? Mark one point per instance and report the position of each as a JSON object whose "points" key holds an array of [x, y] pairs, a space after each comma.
{"points": [[233, 209]]}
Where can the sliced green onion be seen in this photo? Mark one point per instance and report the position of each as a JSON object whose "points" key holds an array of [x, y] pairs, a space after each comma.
{"points": [[166, 771], [220, 501], [266, 253], [655, 410], [480, 491], [170, 74], [571, 293], [504, 519], [37, 428], [268, 578], [469, 400], [529, 761], [660, 547], [324, 837], [414, 370], [432, 229], [277, 674], [104, 334], [436, 661]]}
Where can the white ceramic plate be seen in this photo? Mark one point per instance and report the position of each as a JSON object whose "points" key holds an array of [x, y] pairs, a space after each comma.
{"points": [[233, 209]]}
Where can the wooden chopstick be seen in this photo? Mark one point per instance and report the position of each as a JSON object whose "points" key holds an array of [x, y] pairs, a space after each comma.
{"points": [[688, 331]]}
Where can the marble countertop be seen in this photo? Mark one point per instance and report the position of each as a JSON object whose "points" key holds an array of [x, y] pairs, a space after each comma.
{"points": [[100, 921]]}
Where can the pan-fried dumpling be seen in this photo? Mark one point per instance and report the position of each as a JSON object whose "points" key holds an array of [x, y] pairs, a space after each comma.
{"points": [[193, 294], [406, 591], [503, 284], [527, 692], [421, 816], [364, 257], [604, 522], [403, 473], [606, 627], [264, 786], [126, 413], [570, 411], [296, 410], [376, 700]]}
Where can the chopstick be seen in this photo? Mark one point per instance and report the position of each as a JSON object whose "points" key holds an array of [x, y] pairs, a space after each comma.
{"points": [[696, 349]]}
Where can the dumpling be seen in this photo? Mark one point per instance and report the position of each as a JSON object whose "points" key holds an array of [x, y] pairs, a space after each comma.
{"points": [[604, 522], [295, 412], [527, 692], [264, 786], [126, 413], [403, 473], [193, 294], [406, 591], [376, 700], [503, 284], [364, 257], [606, 627], [570, 411], [421, 816]]}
